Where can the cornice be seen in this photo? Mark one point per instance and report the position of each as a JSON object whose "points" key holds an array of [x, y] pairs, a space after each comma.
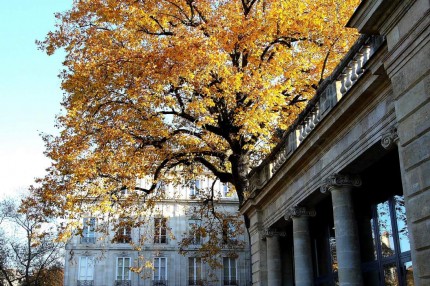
{"points": [[374, 17]]}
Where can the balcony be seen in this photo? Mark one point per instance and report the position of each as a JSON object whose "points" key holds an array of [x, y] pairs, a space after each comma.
{"points": [[160, 239], [123, 239], [193, 282], [195, 240], [122, 283], [231, 283], [87, 240], [85, 282], [159, 283]]}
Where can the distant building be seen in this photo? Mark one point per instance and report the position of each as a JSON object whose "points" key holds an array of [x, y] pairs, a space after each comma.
{"points": [[344, 199], [93, 260]]}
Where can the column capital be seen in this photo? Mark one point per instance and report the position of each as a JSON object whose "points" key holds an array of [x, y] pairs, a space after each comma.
{"points": [[340, 180], [270, 232], [298, 212], [390, 138]]}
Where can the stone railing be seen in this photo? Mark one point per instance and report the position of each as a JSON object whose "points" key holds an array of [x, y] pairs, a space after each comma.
{"points": [[230, 283], [85, 283], [331, 90], [160, 283], [195, 282], [88, 239], [122, 283]]}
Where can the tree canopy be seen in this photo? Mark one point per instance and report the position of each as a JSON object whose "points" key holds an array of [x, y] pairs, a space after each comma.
{"points": [[153, 86]]}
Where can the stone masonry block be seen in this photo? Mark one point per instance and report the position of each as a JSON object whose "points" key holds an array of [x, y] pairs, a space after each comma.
{"points": [[415, 12], [421, 231], [417, 123], [423, 265], [417, 179], [253, 219], [418, 208], [413, 98], [416, 152], [415, 68]]}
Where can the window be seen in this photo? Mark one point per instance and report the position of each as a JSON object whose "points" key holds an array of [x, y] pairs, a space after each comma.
{"points": [[230, 273], [160, 271], [194, 271], [385, 244], [194, 188], [123, 235], [144, 183], [86, 271], [160, 230], [88, 230], [229, 231], [194, 231], [123, 268], [124, 192], [161, 186], [225, 190]]}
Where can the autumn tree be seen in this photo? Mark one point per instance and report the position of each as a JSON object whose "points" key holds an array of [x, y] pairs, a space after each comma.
{"points": [[28, 251], [51, 276], [156, 86]]}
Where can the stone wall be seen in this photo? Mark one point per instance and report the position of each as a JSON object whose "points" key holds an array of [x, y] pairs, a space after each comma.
{"points": [[387, 107]]}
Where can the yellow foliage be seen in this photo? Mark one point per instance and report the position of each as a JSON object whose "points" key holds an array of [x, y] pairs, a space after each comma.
{"points": [[152, 85]]}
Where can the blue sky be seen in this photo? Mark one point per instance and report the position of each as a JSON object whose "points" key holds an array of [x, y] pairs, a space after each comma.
{"points": [[30, 92]]}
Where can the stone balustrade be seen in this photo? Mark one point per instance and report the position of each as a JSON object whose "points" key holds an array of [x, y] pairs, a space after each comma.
{"points": [[331, 90], [85, 283]]}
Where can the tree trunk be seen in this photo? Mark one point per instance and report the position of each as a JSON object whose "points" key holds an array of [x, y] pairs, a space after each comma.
{"points": [[240, 169]]}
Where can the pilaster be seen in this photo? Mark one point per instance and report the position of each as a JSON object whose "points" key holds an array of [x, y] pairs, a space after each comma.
{"points": [[258, 251], [408, 67]]}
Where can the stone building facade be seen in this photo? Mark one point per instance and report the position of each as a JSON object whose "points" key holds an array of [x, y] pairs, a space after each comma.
{"points": [[93, 259], [344, 199]]}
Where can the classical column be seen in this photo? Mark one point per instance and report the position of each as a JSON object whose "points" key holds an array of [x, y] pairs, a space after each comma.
{"points": [[274, 274], [303, 271], [347, 245]]}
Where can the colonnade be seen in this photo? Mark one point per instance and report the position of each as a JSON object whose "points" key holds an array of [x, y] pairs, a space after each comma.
{"points": [[347, 244]]}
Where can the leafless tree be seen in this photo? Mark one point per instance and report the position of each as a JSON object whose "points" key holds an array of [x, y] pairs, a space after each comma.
{"points": [[27, 247]]}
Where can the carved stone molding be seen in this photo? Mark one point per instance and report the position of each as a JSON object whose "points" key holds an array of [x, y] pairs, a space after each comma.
{"points": [[390, 138], [270, 232], [299, 211], [71, 255], [339, 180], [256, 228]]}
